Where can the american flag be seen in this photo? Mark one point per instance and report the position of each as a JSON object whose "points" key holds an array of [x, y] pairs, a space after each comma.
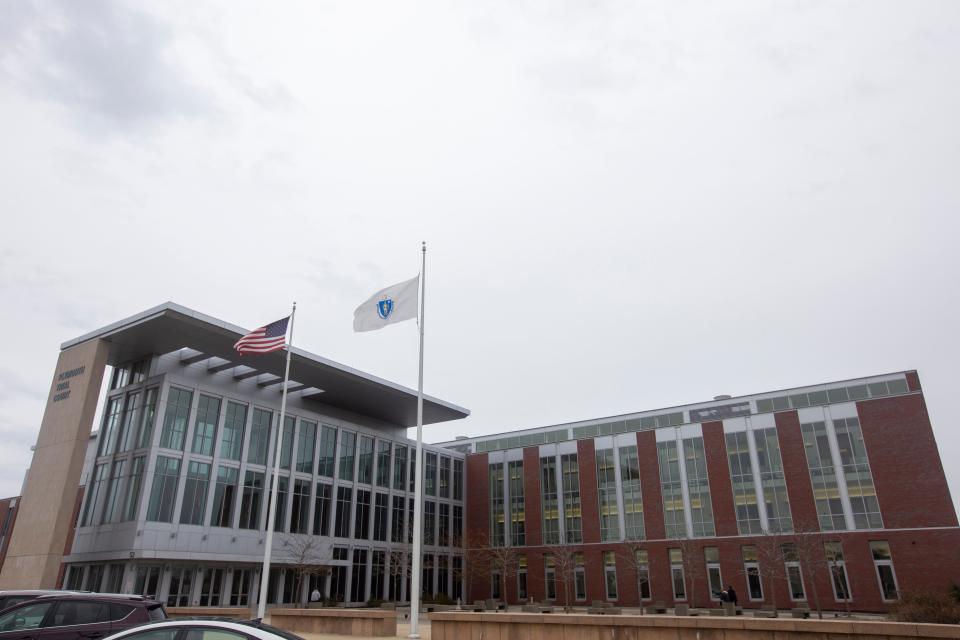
{"points": [[271, 337]]}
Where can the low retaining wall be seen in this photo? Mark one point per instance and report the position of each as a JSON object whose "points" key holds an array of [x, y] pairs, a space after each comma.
{"points": [[240, 613], [348, 622], [537, 626]]}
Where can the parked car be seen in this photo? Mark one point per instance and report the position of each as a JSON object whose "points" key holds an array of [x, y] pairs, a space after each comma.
{"points": [[10, 598], [77, 616], [205, 629]]}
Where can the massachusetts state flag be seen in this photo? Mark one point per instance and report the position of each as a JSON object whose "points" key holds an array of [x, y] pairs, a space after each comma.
{"points": [[271, 337]]}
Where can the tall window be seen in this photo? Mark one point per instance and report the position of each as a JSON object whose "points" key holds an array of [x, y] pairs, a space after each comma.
{"points": [[348, 442], [305, 446], [164, 489], [361, 524], [223, 496], [321, 510], [380, 517], [856, 471], [632, 498], [429, 521], [883, 563], [259, 436], [838, 571], [676, 573], [286, 447], [111, 509], [251, 500], [175, 418], [550, 577], [205, 425], [457, 578], [671, 487], [111, 422], [522, 577], [341, 523], [497, 534], [300, 507], [443, 526], [195, 493], [132, 499], [458, 479], [383, 464], [772, 480], [378, 575], [444, 477], [751, 569], [579, 578], [328, 451], [413, 470], [518, 536], [643, 573], [457, 525], [365, 463], [610, 574], [711, 556], [744, 489], [396, 524], [698, 486], [128, 429], [791, 565], [280, 516], [607, 489], [430, 476], [149, 415], [571, 498], [399, 467], [549, 500], [823, 476], [234, 423], [358, 584]]}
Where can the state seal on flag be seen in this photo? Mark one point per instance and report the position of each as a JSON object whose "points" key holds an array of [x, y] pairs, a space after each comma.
{"points": [[385, 308]]}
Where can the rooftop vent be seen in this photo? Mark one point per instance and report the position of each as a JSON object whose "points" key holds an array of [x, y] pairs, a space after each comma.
{"points": [[461, 438], [721, 397]]}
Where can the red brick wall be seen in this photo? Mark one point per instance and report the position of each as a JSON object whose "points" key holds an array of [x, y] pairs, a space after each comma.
{"points": [[650, 485], [913, 381], [531, 495], [905, 463], [477, 508], [799, 489], [718, 472], [590, 511]]}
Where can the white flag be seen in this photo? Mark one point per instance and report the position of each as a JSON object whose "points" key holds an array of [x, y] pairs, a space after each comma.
{"points": [[393, 304]]}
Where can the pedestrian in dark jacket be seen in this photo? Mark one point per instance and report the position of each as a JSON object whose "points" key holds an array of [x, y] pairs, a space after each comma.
{"points": [[731, 594]]}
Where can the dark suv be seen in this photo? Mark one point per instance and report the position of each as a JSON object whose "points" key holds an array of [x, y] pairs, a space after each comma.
{"points": [[76, 616], [10, 598]]}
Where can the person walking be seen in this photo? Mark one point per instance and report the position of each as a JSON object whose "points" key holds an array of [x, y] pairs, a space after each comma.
{"points": [[731, 594]]}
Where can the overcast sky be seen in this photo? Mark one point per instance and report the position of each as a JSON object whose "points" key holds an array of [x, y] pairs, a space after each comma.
{"points": [[628, 205]]}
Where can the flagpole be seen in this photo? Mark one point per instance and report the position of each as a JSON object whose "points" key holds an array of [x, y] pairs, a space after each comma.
{"points": [[268, 543], [418, 487]]}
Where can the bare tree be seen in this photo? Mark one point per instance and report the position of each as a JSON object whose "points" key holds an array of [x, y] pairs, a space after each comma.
{"points": [[399, 571], [306, 556], [502, 562], [565, 559], [770, 562], [629, 554], [694, 564], [476, 562], [808, 546]]}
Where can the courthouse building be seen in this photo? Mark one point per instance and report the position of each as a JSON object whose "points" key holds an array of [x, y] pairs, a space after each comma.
{"points": [[833, 491]]}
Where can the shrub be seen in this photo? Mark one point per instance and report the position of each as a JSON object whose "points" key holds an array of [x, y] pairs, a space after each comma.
{"points": [[374, 602], [938, 608], [442, 598]]}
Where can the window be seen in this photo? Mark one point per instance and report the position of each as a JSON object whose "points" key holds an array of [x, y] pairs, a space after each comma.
{"points": [[443, 528], [361, 524], [458, 479], [607, 488], [70, 613], [550, 578], [518, 536], [181, 581], [224, 494], [610, 574], [741, 479], [205, 425], [445, 477], [379, 571], [111, 422], [426, 584], [643, 573], [128, 429], [347, 444], [497, 533], [321, 510], [240, 588], [549, 501], [286, 447], [443, 575], [365, 462], [823, 476], [399, 467], [146, 583], [495, 585], [328, 448], [259, 436], [383, 464], [714, 580], [341, 523], [457, 525], [698, 487], [571, 498], [300, 507], [579, 578], [791, 563], [413, 469], [195, 493], [457, 578], [280, 515], [251, 500], [883, 562], [305, 444], [358, 584], [630, 489], [856, 471], [522, 577], [396, 527], [164, 489], [396, 573], [676, 573], [94, 495], [838, 571], [149, 415], [94, 577], [751, 568], [175, 418], [671, 488], [380, 518], [430, 478], [31, 615], [772, 480], [231, 439], [429, 521], [210, 588], [111, 510], [132, 499], [211, 634]]}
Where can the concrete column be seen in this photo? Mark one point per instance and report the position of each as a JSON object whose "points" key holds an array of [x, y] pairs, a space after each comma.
{"points": [[44, 519]]}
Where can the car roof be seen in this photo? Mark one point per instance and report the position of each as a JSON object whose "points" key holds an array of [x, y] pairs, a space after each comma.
{"points": [[98, 597], [254, 627], [33, 592]]}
